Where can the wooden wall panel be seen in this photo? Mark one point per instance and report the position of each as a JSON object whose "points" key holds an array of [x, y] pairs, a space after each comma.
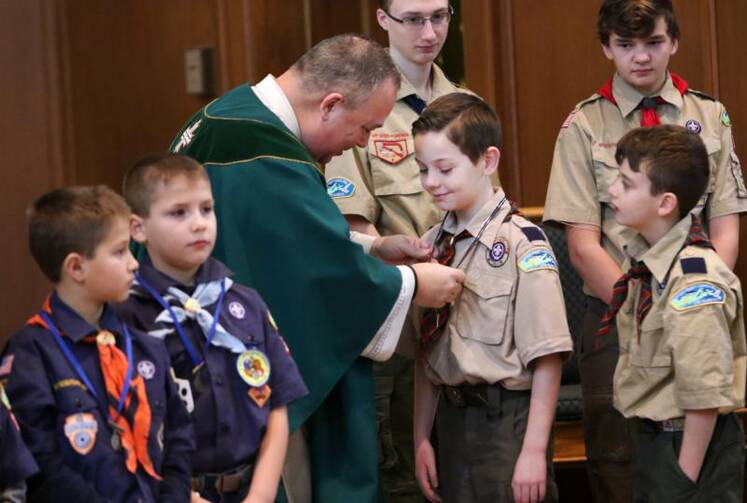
{"points": [[731, 16], [126, 79], [30, 147]]}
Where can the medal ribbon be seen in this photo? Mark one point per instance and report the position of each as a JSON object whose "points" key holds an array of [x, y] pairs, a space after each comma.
{"points": [[116, 369], [226, 340]]}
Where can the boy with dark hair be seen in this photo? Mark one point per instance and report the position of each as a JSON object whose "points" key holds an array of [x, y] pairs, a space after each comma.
{"points": [[223, 342], [679, 316], [493, 357], [97, 406], [639, 37]]}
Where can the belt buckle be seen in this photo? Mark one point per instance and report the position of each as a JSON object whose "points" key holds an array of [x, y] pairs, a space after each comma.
{"points": [[455, 396], [672, 425]]}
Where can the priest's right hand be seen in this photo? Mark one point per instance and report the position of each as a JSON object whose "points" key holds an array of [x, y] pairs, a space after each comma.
{"points": [[437, 284]]}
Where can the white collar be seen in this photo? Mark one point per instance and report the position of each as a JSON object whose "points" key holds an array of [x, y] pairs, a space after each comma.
{"points": [[272, 96]]}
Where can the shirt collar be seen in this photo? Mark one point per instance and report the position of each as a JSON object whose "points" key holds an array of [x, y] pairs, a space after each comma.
{"points": [[660, 257], [74, 327], [440, 85], [272, 96], [476, 223], [210, 270], [628, 98]]}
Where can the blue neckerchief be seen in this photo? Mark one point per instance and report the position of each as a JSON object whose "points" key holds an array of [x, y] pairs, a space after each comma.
{"points": [[215, 334]]}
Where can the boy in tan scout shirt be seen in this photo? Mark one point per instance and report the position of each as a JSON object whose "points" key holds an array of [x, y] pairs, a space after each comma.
{"points": [[377, 188], [679, 310], [639, 37], [489, 369]]}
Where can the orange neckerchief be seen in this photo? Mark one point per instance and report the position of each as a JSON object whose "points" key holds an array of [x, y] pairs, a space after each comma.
{"points": [[113, 364]]}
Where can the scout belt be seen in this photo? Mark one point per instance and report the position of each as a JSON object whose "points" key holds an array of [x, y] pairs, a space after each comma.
{"points": [[226, 482], [485, 396]]}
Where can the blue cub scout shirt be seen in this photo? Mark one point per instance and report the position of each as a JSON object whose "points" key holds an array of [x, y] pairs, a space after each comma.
{"points": [[66, 429], [16, 462], [229, 425]]}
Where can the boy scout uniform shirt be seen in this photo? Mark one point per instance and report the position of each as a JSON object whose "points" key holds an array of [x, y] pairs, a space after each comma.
{"points": [[65, 429], [584, 164], [511, 309], [229, 425], [690, 353], [381, 182], [16, 462]]}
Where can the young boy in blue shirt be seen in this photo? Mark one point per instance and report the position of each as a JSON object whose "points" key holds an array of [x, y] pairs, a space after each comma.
{"points": [[97, 405], [224, 345], [679, 315], [489, 367], [16, 462]]}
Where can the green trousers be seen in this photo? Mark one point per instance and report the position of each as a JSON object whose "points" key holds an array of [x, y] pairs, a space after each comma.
{"points": [[479, 443], [607, 434], [657, 476]]}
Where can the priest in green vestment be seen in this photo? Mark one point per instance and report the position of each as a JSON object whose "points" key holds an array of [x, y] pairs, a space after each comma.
{"points": [[280, 233]]}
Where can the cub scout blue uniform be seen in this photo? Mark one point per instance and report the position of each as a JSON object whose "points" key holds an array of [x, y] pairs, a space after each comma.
{"points": [[16, 462], [67, 428], [229, 415]]}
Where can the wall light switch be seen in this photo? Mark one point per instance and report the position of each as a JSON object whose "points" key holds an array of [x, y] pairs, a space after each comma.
{"points": [[198, 68]]}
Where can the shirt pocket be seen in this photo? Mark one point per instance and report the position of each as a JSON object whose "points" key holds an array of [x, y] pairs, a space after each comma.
{"points": [[713, 147], [394, 173], [483, 308], [649, 350], [606, 170]]}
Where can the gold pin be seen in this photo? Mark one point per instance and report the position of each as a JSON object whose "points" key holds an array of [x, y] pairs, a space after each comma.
{"points": [[105, 338], [192, 305]]}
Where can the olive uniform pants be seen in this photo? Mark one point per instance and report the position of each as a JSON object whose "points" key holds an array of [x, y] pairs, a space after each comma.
{"points": [[657, 476], [607, 434], [480, 432]]}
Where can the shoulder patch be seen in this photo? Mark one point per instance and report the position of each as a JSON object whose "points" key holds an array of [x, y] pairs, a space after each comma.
{"points": [[701, 94], [533, 234], [697, 294], [340, 187], [537, 260], [726, 120], [693, 265]]}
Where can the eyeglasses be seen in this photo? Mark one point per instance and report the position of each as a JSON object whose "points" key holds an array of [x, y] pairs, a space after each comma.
{"points": [[417, 22]]}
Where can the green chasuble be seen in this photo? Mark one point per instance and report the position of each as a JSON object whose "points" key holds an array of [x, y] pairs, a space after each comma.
{"points": [[281, 234]]}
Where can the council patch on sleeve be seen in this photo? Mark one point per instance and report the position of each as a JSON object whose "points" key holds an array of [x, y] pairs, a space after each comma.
{"points": [[340, 187], [536, 260], [696, 295]]}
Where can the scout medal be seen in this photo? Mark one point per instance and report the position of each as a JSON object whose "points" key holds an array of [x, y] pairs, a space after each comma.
{"points": [[253, 367]]}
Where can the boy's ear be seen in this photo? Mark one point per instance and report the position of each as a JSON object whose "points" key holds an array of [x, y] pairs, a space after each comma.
{"points": [[607, 52], [382, 19], [137, 231], [74, 267], [668, 204], [492, 159]]}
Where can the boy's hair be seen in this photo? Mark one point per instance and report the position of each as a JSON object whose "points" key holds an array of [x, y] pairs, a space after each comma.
{"points": [[676, 161], [634, 19], [470, 123], [384, 5], [71, 220], [142, 180]]}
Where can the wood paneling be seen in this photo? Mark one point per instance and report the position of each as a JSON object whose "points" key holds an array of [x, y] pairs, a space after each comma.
{"points": [[126, 90], [31, 147], [732, 78]]}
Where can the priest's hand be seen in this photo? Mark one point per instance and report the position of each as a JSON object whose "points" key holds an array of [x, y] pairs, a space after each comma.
{"points": [[437, 284], [400, 249]]}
